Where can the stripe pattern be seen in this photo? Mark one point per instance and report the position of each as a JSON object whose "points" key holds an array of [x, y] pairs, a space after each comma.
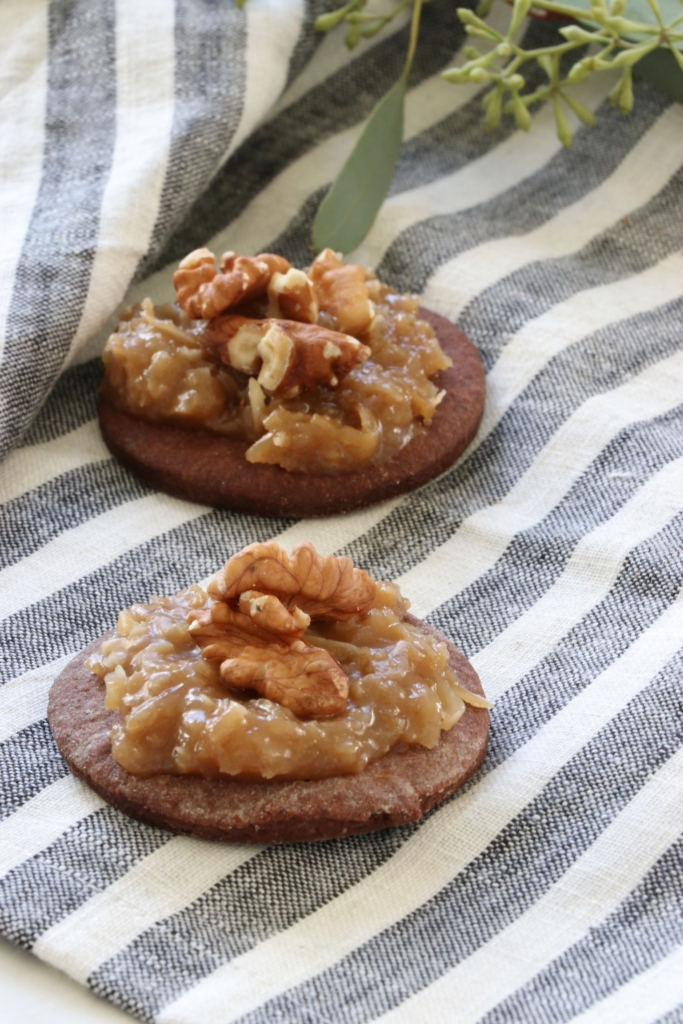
{"points": [[549, 889]]}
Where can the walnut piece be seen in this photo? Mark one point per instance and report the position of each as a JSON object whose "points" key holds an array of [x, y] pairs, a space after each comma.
{"points": [[307, 680], [342, 292], [203, 292], [292, 297], [337, 289], [264, 601], [289, 357], [259, 647], [325, 586]]}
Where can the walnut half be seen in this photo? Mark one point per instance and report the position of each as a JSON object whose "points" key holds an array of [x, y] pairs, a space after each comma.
{"points": [[324, 586], [289, 357], [259, 647], [264, 602]]}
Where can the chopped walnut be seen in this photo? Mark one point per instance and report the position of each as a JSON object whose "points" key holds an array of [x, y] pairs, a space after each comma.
{"points": [[259, 647], [268, 611], [204, 293], [307, 680], [194, 272], [337, 290], [342, 292], [265, 600], [292, 297], [236, 340], [289, 357], [279, 666]]}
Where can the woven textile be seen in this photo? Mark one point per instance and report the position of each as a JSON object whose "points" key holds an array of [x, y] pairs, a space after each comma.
{"points": [[551, 888]]}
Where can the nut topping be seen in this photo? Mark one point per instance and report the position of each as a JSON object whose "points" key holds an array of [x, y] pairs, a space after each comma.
{"points": [[265, 600], [326, 587], [288, 357], [292, 297], [236, 339], [307, 680], [321, 398], [195, 272], [342, 292], [259, 647], [204, 293]]}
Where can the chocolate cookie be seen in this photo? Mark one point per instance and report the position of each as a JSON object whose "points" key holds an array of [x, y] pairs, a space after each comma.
{"points": [[397, 789], [211, 469]]}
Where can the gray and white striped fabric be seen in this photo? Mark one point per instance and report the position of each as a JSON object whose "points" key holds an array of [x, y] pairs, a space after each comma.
{"points": [[551, 888]]}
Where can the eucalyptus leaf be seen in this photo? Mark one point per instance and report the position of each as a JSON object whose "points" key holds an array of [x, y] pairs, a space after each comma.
{"points": [[635, 10], [660, 70], [640, 10], [347, 212]]}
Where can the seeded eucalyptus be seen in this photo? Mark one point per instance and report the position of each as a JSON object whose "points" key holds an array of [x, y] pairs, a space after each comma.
{"points": [[617, 36], [362, 24], [616, 43]]}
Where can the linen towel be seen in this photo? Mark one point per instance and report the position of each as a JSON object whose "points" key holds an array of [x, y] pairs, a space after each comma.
{"points": [[551, 888]]}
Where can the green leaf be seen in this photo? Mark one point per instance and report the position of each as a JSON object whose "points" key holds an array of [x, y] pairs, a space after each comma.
{"points": [[660, 68], [348, 210], [662, 71], [634, 11]]}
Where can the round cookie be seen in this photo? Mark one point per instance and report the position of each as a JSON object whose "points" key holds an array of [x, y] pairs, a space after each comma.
{"points": [[211, 469], [397, 789]]}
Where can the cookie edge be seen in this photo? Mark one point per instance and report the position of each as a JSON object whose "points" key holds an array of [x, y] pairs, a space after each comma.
{"points": [[210, 469], [387, 793]]}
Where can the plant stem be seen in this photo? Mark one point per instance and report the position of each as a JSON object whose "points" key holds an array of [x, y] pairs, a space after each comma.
{"points": [[557, 8], [414, 30], [397, 10], [674, 22], [560, 48], [654, 7]]}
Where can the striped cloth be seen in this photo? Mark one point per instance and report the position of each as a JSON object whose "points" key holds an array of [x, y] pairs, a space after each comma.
{"points": [[551, 888]]}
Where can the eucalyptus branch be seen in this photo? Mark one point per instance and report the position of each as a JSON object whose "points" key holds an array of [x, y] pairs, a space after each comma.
{"points": [[414, 30], [348, 210], [606, 28], [362, 25], [614, 43]]}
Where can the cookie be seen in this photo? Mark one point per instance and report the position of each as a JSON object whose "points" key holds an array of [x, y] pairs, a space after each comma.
{"points": [[211, 469], [395, 790]]}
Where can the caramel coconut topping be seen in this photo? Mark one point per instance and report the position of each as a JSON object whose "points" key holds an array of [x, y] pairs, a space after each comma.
{"points": [[292, 666], [324, 370]]}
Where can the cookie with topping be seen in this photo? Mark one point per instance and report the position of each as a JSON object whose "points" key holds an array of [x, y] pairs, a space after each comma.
{"points": [[292, 698], [278, 391]]}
